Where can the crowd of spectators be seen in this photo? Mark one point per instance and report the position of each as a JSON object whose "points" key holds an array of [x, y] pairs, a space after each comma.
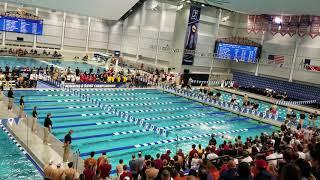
{"points": [[288, 154], [32, 53]]}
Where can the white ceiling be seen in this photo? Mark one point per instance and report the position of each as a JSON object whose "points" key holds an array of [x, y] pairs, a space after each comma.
{"points": [[298, 7], [105, 9]]}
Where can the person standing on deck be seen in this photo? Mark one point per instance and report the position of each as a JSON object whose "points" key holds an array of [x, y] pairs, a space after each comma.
{"points": [[47, 129], [21, 106], [67, 146], [10, 102], [34, 119]]}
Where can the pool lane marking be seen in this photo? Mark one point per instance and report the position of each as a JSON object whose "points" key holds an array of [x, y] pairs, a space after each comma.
{"points": [[145, 130], [125, 99], [124, 121], [163, 142], [141, 104], [156, 110], [98, 94]]}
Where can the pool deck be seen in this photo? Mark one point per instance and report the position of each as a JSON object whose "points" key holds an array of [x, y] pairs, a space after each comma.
{"points": [[263, 98], [32, 143]]}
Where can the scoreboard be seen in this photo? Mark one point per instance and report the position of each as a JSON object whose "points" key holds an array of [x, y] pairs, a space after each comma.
{"points": [[236, 52], [21, 25]]}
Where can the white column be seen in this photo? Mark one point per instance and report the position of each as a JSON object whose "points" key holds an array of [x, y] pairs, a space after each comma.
{"points": [[109, 29], [88, 34], [298, 40], [161, 24], [256, 73], [141, 20], [35, 36], [4, 32], [216, 34], [122, 36], [63, 30]]}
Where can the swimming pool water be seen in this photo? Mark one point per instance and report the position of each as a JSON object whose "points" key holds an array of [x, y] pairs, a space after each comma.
{"points": [[97, 130], [29, 62], [14, 164]]}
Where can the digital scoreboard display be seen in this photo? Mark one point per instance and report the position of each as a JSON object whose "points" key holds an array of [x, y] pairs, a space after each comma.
{"points": [[236, 52], [21, 25]]}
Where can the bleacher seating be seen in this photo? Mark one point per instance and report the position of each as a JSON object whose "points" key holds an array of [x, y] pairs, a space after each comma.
{"points": [[293, 90]]}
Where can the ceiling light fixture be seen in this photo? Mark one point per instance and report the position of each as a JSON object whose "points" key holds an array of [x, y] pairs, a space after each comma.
{"points": [[188, 1], [277, 20], [203, 5]]}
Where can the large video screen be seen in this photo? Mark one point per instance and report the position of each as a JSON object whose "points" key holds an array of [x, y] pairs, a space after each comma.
{"points": [[236, 52], [21, 25]]}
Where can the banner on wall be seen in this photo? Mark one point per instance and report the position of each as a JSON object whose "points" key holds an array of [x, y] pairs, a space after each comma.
{"points": [[285, 25], [293, 25], [258, 23], [250, 24], [315, 26], [191, 36], [303, 25]]}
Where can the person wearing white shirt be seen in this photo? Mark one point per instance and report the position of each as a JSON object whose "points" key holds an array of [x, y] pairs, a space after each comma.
{"points": [[247, 158], [301, 154], [195, 162], [275, 157]]}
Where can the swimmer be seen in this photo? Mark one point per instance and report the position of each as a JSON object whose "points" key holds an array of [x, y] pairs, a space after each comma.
{"points": [[48, 170], [70, 172], [57, 173]]}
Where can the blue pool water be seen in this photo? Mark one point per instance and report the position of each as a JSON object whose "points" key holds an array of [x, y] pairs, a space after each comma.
{"points": [[96, 130], [263, 106], [14, 164], [24, 62]]}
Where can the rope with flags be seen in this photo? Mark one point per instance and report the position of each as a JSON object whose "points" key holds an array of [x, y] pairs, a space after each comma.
{"points": [[295, 102]]}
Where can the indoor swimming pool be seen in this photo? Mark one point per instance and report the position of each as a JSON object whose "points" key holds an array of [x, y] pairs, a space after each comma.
{"points": [[187, 122], [29, 62], [14, 164]]}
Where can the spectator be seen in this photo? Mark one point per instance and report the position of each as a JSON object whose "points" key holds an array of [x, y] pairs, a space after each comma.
{"points": [[134, 167], [105, 169], [151, 171], [126, 175], [90, 162], [290, 172], [230, 173], [261, 170], [140, 162], [100, 159], [166, 156], [244, 172], [89, 173], [119, 167], [315, 160], [305, 169], [158, 164]]}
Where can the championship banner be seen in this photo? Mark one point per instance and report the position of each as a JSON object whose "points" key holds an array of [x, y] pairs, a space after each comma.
{"points": [[304, 25], [284, 29], [258, 24], [274, 28], [293, 25], [191, 36], [315, 26], [250, 23]]}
